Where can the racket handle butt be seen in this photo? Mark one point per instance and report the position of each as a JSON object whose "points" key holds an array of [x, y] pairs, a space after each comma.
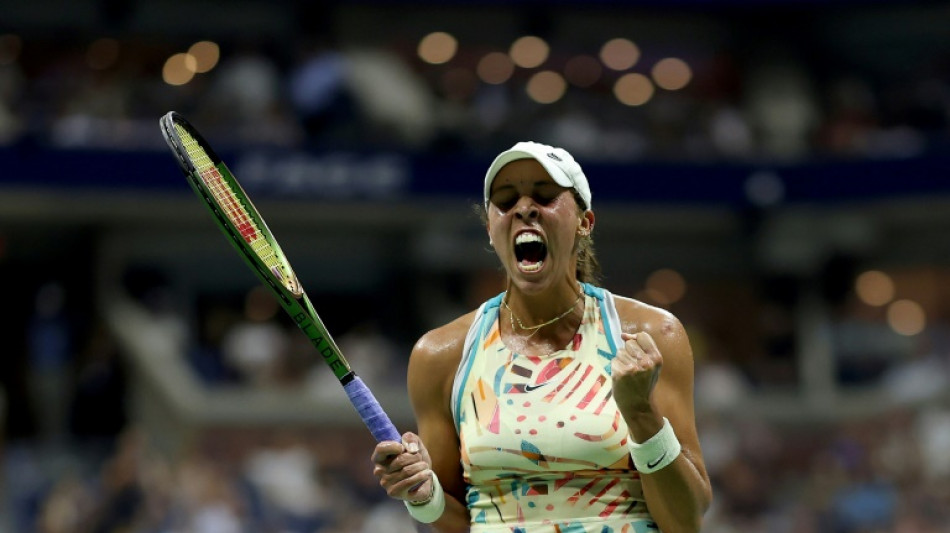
{"points": [[370, 411]]}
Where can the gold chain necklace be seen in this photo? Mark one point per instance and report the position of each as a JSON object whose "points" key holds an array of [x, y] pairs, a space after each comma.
{"points": [[513, 318]]}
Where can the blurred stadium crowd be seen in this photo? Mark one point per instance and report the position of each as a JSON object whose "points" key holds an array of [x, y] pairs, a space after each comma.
{"points": [[96, 468], [76, 458], [805, 86]]}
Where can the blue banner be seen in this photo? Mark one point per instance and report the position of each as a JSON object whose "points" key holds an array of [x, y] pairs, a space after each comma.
{"points": [[398, 177]]}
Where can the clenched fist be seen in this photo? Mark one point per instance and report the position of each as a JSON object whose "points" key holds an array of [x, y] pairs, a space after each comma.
{"points": [[635, 371]]}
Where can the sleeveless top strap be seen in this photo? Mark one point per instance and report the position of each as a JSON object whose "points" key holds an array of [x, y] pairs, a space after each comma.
{"points": [[484, 317]]}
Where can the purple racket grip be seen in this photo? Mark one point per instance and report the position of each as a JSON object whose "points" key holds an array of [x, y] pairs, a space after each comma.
{"points": [[371, 412]]}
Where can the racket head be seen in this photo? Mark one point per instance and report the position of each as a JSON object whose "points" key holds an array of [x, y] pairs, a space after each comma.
{"points": [[240, 220], [211, 180]]}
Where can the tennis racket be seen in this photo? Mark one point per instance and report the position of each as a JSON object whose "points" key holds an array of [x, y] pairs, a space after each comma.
{"points": [[246, 230]]}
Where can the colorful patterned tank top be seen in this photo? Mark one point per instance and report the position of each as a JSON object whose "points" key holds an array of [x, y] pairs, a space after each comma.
{"points": [[543, 445]]}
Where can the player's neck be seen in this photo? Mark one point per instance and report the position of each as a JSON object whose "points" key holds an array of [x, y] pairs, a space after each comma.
{"points": [[554, 318], [538, 307]]}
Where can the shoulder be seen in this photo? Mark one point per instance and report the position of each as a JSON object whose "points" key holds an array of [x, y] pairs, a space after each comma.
{"points": [[444, 341], [437, 354], [662, 325], [667, 333], [433, 363]]}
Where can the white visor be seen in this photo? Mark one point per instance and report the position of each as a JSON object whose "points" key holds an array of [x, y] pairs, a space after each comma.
{"points": [[557, 161]]}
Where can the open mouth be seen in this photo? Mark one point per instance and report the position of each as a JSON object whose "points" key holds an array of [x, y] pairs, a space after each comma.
{"points": [[530, 251]]}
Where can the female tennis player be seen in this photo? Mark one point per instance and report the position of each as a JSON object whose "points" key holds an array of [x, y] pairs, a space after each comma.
{"points": [[546, 410]]}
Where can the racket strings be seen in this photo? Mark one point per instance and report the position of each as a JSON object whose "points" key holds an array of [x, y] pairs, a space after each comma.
{"points": [[232, 206]]}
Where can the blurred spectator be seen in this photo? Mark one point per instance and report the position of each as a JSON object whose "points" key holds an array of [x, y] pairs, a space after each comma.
{"points": [[720, 441], [206, 355], [97, 113], [65, 508], [98, 408], [285, 473], [154, 302], [720, 386], [206, 499], [120, 493], [933, 434], [388, 516], [864, 346], [246, 100], [851, 117], [917, 376], [783, 109], [320, 96], [730, 133], [51, 358], [373, 356], [399, 109], [257, 344], [246, 85], [868, 500]]}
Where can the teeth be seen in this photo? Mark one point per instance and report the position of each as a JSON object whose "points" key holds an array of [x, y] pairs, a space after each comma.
{"points": [[531, 267], [527, 237]]}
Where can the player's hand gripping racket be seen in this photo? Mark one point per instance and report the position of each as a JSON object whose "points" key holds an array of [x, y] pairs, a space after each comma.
{"points": [[246, 230]]}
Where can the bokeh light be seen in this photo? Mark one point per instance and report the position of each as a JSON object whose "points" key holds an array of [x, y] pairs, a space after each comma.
{"points": [[206, 54], [179, 69], [874, 288], [437, 48], [906, 317], [666, 286], [619, 54], [529, 51], [495, 68], [633, 89], [546, 87], [671, 74]]}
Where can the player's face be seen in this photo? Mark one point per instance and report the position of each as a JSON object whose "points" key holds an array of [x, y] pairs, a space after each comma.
{"points": [[533, 223]]}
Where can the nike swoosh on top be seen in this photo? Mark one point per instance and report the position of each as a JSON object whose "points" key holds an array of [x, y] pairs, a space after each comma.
{"points": [[658, 461], [529, 388]]}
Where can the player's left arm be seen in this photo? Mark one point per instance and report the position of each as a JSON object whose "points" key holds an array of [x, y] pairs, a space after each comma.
{"points": [[654, 379]]}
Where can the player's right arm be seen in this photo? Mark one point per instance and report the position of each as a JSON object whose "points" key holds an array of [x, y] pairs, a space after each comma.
{"points": [[401, 466]]}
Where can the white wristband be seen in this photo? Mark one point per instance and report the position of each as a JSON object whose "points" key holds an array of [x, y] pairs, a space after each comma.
{"points": [[431, 510], [657, 452]]}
